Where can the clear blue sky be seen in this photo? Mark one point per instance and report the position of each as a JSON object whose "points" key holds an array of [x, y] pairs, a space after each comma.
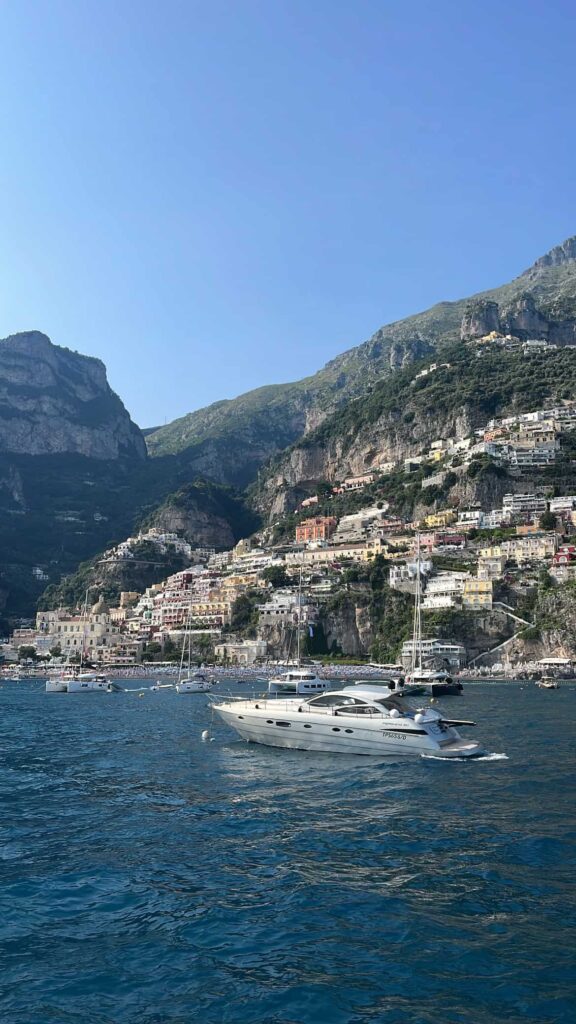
{"points": [[216, 195]]}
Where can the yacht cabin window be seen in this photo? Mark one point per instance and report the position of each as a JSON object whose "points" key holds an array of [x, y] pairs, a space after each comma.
{"points": [[330, 700]]}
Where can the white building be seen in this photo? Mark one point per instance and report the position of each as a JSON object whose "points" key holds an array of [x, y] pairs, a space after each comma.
{"points": [[246, 652], [513, 504], [403, 576], [495, 518], [471, 518], [444, 650], [536, 455], [564, 504], [445, 590]]}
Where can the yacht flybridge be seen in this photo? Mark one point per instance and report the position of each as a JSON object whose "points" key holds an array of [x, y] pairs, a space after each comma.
{"points": [[348, 721]]}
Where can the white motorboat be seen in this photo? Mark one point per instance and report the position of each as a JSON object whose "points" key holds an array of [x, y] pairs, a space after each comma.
{"points": [[548, 683], [197, 682], [297, 681], [348, 721]]}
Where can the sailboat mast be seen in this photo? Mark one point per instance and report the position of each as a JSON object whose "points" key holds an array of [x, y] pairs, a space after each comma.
{"points": [[299, 619], [84, 628], [416, 661]]}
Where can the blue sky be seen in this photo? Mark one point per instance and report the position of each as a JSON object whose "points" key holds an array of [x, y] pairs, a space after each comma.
{"points": [[215, 195]]}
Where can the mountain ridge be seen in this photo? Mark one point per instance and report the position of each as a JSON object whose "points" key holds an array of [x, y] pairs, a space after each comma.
{"points": [[540, 299]]}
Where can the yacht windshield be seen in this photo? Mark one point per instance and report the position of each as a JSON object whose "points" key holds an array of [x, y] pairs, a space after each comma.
{"points": [[395, 702], [333, 700]]}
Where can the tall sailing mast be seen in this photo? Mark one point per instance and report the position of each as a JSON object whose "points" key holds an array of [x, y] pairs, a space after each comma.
{"points": [[298, 624], [417, 624]]}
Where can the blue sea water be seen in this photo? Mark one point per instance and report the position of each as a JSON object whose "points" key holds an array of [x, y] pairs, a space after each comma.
{"points": [[150, 877]]}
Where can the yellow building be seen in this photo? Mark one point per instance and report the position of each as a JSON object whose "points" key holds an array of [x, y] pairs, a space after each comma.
{"points": [[445, 517], [477, 594]]}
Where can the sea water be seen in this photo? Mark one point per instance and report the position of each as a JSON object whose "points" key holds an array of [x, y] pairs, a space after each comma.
{"points": [[149, 876]]}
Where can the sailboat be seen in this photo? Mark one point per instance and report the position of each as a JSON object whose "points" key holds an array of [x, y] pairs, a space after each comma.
{"points": [[73, 679], [437, 682], [299, 679], [189, 681]]}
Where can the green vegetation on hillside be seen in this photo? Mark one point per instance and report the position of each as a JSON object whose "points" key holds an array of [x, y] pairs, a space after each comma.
{"points": [[499, 382]]}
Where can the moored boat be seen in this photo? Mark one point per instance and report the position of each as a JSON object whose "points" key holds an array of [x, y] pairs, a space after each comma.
{"points": [[548, 683], [197, 682], [297, 681], [348, 721]]}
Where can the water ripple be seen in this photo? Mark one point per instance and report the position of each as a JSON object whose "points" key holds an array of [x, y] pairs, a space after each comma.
{"points": [[149, 877]]}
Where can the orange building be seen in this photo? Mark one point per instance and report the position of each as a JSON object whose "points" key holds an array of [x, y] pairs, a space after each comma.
{"points": [[319, 528]]}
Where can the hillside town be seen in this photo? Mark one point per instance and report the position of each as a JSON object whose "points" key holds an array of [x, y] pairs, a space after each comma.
{"points": [[243, 606]]}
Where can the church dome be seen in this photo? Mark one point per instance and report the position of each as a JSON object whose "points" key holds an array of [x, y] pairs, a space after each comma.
{"points": [[100, 608]]}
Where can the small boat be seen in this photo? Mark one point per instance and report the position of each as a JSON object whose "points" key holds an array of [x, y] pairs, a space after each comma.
{"points": [[81, 682], [548, 683], [348, 721], [197, 682]]}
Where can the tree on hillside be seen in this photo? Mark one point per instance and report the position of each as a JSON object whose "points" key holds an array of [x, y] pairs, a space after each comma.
{"points": [[547, 521], [27, 653], [276, 575]]}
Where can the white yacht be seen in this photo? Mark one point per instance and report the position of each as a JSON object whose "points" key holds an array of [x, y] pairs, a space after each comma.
{"points": [[195, 682], [81, 682], [348, 721], [91, 682], [435, 682], [297, 681]]}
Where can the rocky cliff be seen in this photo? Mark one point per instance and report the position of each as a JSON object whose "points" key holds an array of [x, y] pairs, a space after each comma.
{"points": [[230, 440], [54, 401], [206, 515], [75, 476], [403, 415]]}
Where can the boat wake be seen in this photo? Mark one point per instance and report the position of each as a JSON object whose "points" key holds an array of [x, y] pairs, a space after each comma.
{"points": [[481, 757]]}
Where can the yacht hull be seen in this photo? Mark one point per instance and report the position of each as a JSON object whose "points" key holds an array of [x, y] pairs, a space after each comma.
{"points": [[271, 727], [451, 689], [193, 687], [56, 686]]}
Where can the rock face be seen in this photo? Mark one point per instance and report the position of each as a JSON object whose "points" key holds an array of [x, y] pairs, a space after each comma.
{"points": [[54, 401], [205, 515], [229, 441], [557, 257], [522, 318]]}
